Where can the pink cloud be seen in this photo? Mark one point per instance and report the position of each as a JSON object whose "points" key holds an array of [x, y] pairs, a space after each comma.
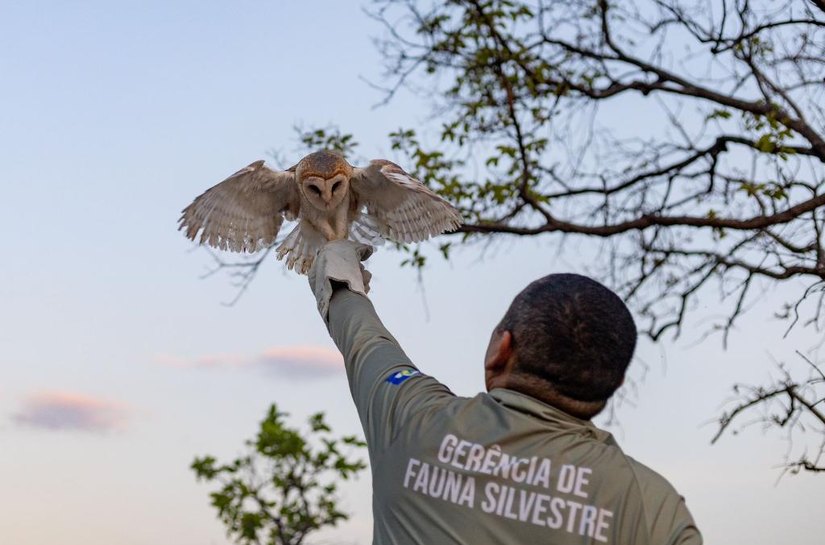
{"points": [[287, 361], [54, 410], [301, 361], [216, 360]]}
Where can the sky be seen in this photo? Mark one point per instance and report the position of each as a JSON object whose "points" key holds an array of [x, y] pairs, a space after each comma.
{"points": [[120, 363]]}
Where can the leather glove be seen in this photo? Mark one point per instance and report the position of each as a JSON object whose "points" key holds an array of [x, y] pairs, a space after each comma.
{"points": [[339, 261]]}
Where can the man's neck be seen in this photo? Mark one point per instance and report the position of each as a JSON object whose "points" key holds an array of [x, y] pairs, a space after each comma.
{"points": [[545, 392]]}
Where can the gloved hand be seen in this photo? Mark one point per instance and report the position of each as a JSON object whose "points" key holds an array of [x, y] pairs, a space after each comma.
{"points": [[339, 261]]}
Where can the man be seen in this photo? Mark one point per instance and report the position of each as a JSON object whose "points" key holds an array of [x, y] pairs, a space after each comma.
{"points": [[521, 463]]}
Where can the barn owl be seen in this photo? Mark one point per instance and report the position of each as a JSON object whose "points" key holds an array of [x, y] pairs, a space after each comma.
{"points": [[330, 199]]}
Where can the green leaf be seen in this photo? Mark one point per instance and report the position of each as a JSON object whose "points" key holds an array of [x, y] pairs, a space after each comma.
{"points": [[259, 490], [765, 143], [719, 114]]}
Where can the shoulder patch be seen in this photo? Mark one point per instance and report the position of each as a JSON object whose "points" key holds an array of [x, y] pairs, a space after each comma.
{"points": [[400, 376]]}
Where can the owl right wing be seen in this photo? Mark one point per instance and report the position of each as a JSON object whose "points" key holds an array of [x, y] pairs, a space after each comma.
{"points": [[401, 207], [244, 212]]}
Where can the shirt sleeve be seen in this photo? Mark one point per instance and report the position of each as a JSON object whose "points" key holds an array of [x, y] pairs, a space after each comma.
{"points": [[688, 533], [385, 385], [689, 536], [668, 519], [673, 524]]}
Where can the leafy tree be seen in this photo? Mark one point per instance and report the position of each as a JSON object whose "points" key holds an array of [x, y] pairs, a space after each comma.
{"points": [[285, 487], [688, 135]]}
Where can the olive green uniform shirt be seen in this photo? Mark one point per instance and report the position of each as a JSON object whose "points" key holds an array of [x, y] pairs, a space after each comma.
{"points": [[497, 468]]}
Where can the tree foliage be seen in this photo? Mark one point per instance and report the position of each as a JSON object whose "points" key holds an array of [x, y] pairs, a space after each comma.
{"points": [[286, 486], [689, 135]]}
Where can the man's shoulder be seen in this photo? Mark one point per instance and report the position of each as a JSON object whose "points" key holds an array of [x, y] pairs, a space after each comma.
{"points": [[651, 482], [667, 515]]}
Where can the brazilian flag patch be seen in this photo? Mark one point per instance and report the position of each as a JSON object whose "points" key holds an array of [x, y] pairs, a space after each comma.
{"points": [[400, 376]]}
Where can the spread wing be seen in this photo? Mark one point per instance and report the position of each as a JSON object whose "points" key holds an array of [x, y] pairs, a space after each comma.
{"points": [[244, 212], [403, 208]]}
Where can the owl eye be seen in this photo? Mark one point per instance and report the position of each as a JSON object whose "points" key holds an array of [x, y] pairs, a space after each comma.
{"points": [[335, 186], [314, 189]]}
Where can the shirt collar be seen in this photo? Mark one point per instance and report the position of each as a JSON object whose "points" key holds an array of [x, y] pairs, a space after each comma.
{"points": [[533, 407]]}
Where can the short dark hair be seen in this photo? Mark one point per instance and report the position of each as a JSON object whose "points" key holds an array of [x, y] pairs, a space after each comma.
{"points": [[574, 333]]}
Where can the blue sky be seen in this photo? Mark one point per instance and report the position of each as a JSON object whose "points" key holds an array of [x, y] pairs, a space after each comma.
{"points": [[120, 364]]}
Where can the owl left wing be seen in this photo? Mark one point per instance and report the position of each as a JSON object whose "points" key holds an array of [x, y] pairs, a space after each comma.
{"points": [[244, 212], [403, 208]]}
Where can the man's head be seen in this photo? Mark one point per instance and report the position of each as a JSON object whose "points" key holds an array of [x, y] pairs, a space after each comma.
{"points": [[565, 340]]}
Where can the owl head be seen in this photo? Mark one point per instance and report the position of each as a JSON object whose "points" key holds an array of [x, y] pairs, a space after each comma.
{"points": [[323, 178]]}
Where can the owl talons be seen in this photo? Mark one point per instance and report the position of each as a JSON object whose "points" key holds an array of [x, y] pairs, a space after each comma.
{"points": [[328, 232]]}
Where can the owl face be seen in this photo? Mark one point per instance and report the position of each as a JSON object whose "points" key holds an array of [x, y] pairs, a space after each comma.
{"points": [[326, 194], [324, 177]]}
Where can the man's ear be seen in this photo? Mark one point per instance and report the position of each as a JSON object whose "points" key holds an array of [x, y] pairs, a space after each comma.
{"points": [[499, 352]]}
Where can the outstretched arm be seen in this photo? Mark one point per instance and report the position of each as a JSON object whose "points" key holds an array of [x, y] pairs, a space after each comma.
{"points": [[384, 383]]}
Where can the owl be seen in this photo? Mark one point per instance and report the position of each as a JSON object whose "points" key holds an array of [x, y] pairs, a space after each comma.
{"points": [[329, 198]]}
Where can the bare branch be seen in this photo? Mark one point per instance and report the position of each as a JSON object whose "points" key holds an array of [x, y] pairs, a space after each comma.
{"points": [[789, 404]]}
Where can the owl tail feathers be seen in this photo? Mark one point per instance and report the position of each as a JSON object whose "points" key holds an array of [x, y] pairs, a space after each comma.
{"points": [[300, 247]]}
